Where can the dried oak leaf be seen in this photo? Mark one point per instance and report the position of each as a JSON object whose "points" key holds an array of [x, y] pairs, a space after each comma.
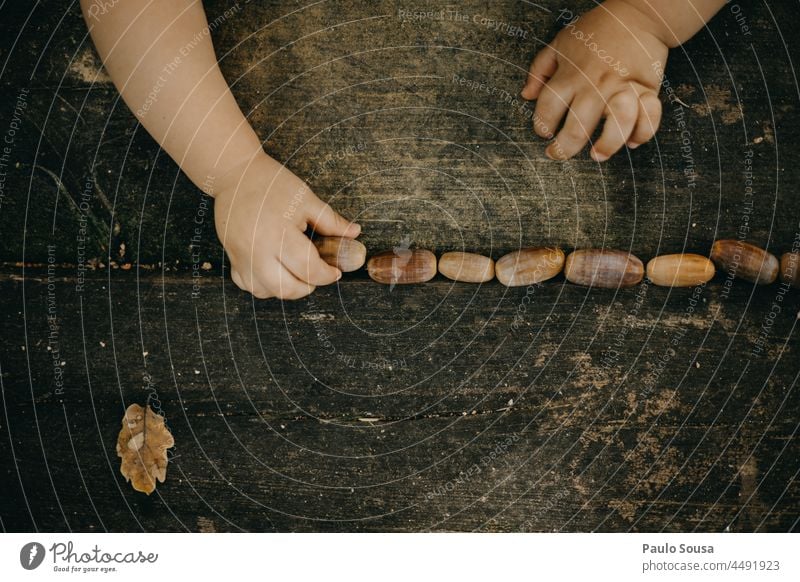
{"points": [[142, 444]]}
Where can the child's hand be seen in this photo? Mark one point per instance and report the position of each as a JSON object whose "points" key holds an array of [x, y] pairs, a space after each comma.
{"points": [[261, 214], [609, 63]]}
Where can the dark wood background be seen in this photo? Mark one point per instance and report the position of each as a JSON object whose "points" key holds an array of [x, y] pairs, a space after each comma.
{"points": [[434, 407]]}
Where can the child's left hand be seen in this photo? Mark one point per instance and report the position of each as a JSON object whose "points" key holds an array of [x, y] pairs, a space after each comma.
{"points": [[609, 63]]}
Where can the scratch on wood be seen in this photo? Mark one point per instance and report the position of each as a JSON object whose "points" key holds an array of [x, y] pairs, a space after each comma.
{"points": [[716, 99], [73, 206], [205, 525], [753, 507], [87, 69]]}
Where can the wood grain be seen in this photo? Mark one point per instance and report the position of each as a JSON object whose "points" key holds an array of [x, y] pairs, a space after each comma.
{"points": [[437, 407]]}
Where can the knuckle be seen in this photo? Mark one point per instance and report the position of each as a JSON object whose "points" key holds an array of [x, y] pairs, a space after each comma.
{"points": [[625, 103], [623, 118], [607, 83], [652, 108], [573, 133], [645, 129], [552, 96]]}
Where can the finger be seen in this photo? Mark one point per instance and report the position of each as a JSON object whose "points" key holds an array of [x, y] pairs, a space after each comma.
{"points": [[621, 114], [247, 284], [584, 115], [287, 286], [543, 67], [325, 220], [280, 283], [301, 257], [550, 109], [648, 121], [237, 279]]}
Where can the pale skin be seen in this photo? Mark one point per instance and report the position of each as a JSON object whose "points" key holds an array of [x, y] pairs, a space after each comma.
{"points": [[160, 57], [609, 64]]}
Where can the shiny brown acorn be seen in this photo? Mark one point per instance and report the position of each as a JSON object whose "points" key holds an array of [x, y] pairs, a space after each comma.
{"points": [[529, 266], [402, 266], [346, 254], [604, 268], [681, 270], [466, 267], [790, 269], [745, 261]]}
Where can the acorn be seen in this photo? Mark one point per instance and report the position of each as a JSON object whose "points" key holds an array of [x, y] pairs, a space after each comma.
{"points": [[402, 266], [346, 254], [790, 269], [466, 267], [681, 270], [605, 268], [529, 266], [746, 261]]}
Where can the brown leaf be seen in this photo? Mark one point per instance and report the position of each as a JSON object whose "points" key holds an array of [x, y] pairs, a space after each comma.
{"points": [[142, 444]]}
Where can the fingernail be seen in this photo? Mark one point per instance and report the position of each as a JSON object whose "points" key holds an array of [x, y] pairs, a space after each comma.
{"points": [[554, 152], [632, 145], [598, 157], [339, 276]]}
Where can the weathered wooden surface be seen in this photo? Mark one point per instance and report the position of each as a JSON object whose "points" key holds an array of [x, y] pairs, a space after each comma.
{"points": [[364, 408]]}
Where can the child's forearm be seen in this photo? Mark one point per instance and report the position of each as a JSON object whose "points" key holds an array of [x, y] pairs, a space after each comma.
{"points": [[676, 21], [160, 56]]}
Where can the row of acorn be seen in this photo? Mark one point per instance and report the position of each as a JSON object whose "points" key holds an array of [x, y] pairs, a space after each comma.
{"points": [[605, 268]]}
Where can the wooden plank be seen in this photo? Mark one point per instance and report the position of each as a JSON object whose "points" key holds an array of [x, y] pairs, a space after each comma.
{"points": [[682, 425], [391, 136], [369, 409]]}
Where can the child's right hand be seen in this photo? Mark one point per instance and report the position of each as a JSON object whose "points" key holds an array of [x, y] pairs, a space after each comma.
{"points": [[261, 214]]}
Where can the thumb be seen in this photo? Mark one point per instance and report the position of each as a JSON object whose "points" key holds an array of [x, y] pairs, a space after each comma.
{"points": [[326, 221]]}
